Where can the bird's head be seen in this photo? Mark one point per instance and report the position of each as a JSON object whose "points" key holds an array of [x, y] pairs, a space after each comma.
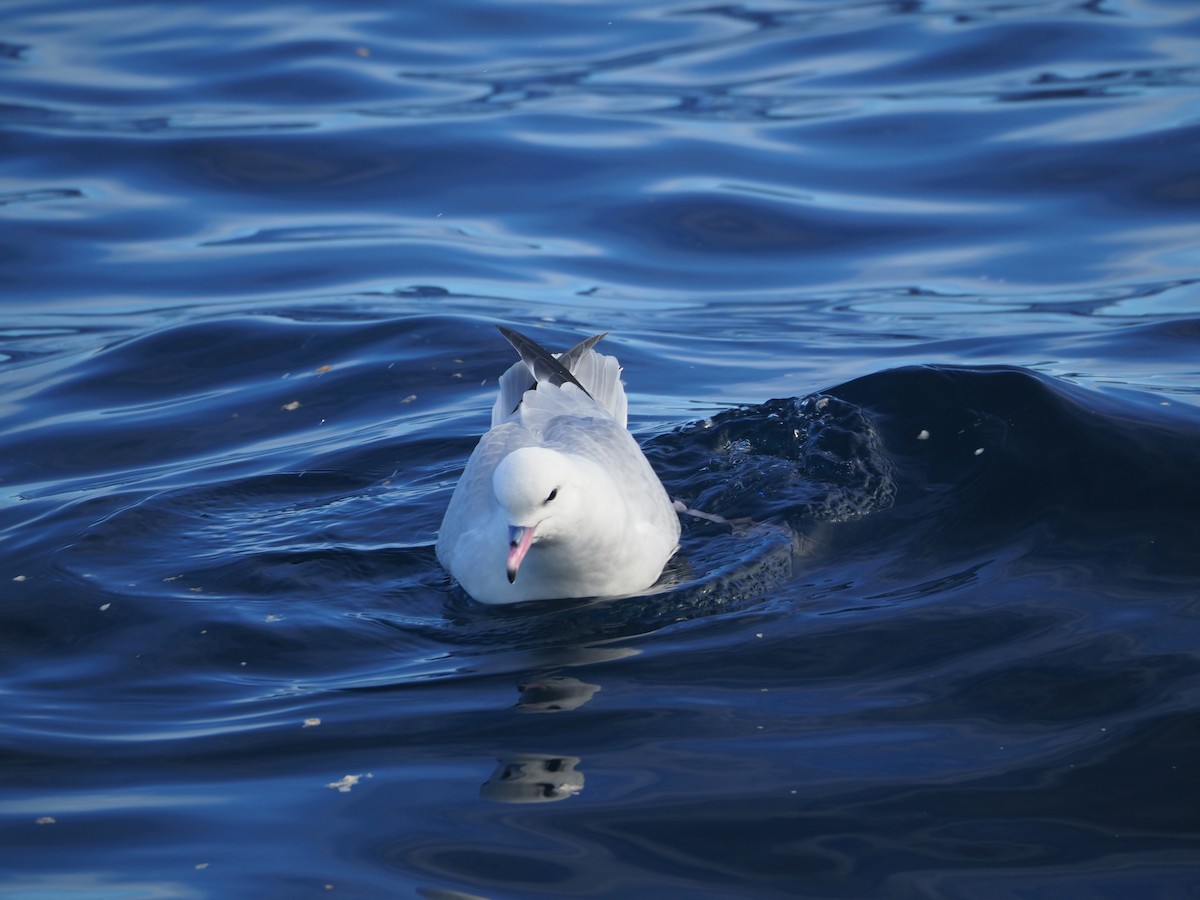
{"points": [[539, 494]]}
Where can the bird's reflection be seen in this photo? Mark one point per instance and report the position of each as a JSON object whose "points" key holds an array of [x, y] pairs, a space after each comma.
{"points": [[554, 693], [533, 778], [543, 777]]}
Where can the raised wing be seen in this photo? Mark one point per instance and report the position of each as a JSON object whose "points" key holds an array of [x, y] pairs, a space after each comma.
{"points": [[596, 375], [541, 362]]}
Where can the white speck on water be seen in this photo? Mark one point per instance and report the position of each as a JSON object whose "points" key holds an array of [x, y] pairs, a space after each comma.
{"points": [[979, 451], [923, 434], [104, 607], [347, 781]]}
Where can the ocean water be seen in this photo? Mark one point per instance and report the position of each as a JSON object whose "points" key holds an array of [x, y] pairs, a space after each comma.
{"points": [[910, 289]]}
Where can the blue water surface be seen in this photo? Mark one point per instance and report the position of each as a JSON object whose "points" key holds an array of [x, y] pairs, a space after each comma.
{"points": [[910, 289]]}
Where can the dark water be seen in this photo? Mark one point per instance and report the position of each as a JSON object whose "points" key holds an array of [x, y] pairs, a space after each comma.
{"points": [[910, 286]]}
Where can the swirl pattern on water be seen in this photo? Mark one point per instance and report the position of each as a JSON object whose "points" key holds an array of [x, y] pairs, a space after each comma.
{"points": [[251, 268]]}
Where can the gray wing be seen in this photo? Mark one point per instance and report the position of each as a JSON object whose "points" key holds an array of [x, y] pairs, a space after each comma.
{"points": [[571, 358], [544, 366], [601, 390]]}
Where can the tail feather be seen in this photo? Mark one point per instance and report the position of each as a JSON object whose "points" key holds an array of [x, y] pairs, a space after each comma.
{"points": [[601, 376]]}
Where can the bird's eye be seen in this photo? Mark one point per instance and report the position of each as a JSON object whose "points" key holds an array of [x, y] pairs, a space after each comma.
{"points": [[553, 494]]}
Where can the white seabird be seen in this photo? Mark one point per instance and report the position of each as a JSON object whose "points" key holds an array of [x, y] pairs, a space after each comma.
{"points": [[558, 500]]}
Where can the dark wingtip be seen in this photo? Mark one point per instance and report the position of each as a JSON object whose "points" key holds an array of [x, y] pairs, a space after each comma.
{"points": [[541, 363]]}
